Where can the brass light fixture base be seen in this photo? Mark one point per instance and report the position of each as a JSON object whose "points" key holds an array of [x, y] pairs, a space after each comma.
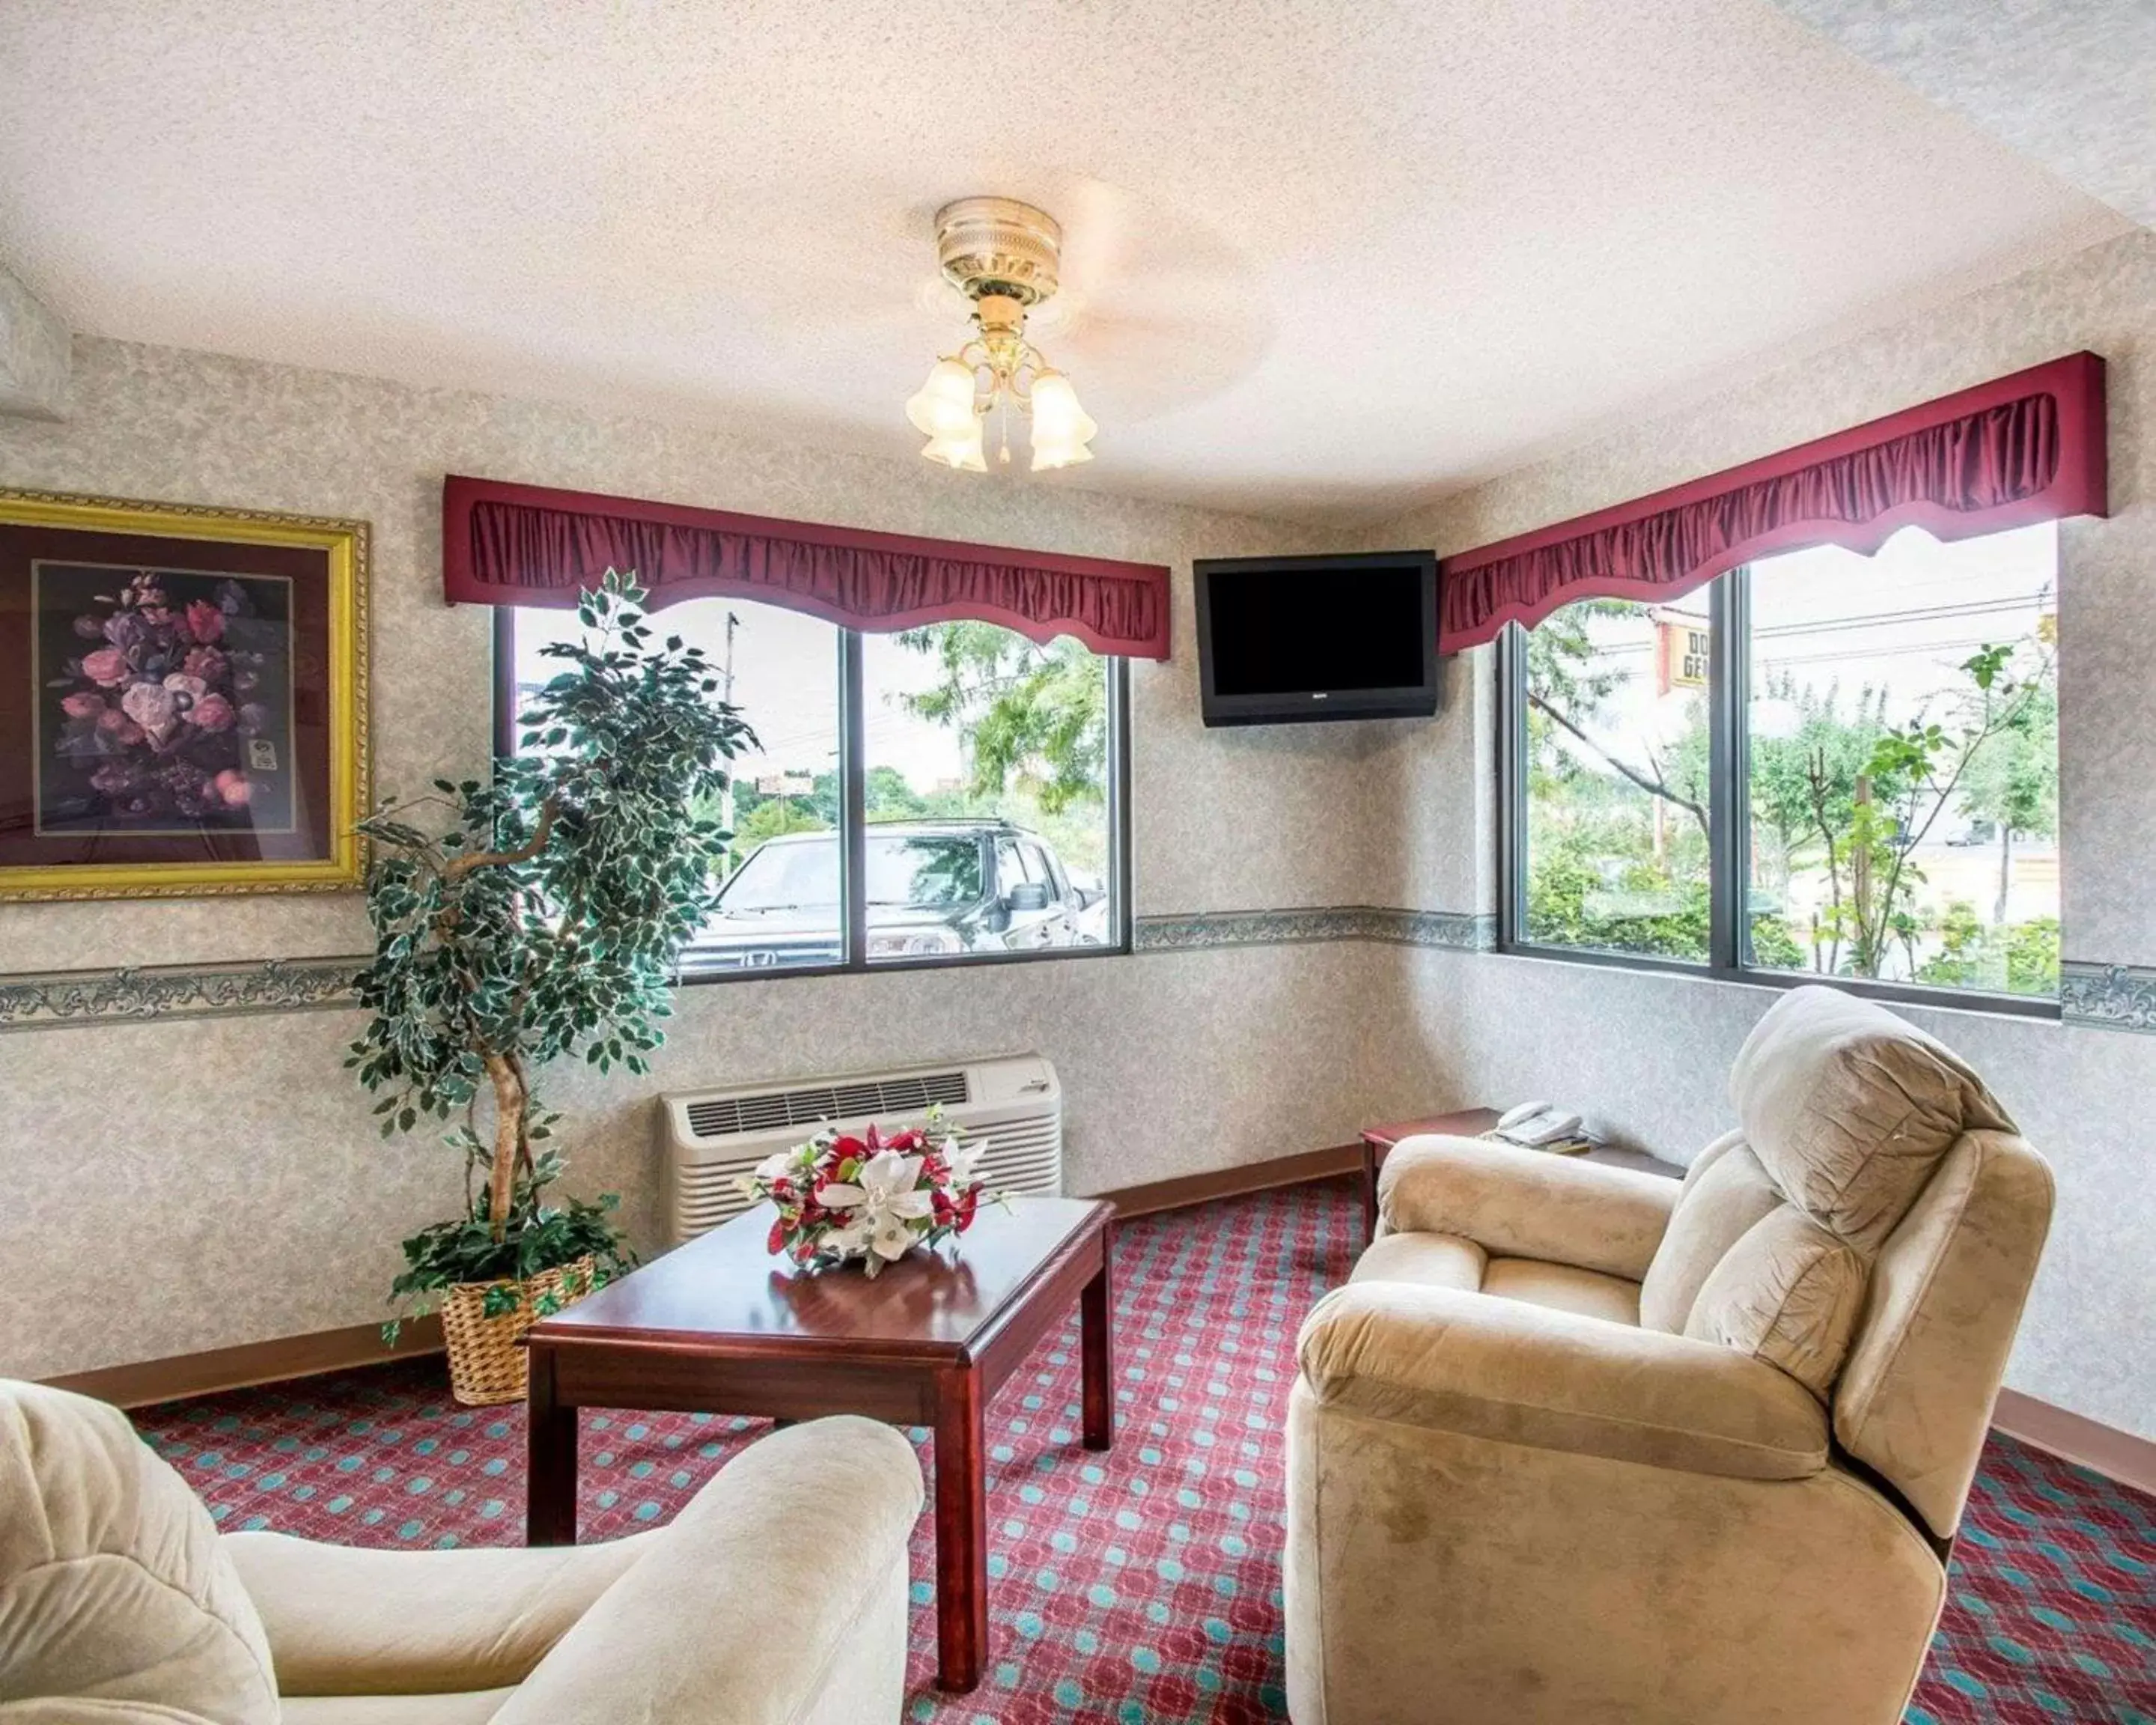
{"points": [[996, 247]]}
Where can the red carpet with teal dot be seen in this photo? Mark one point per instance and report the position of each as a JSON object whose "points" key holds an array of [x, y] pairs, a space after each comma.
{"points": [[1144, 1584]]}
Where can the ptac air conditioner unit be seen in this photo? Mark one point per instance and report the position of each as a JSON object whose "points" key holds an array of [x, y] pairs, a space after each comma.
{"points": [[1011, 1106]]}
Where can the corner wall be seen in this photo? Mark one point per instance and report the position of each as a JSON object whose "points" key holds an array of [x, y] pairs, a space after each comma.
{"points": [[1647, 1054], [180, 1177]]}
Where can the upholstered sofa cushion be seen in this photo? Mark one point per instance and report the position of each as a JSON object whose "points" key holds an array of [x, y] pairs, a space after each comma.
{"points": [[1526, 1203], [343, 1620], [1564, 1287], [1916, 1393], [1726, 1191], [1849, 1109], [1547, 1378], [1430, 1261], [1788, 1292], [117, 1602], [467, 1707]]}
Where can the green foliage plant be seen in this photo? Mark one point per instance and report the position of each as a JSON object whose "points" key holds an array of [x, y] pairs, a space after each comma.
{"points": [[1913, 774], [1034, 718], [1846, 790], [544, 924]]}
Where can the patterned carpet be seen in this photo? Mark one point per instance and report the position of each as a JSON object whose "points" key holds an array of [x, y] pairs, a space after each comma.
{"points": [[1143, 1585]]}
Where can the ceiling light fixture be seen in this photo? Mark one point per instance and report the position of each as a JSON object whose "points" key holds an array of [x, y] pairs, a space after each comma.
{"points": [[1003, 255]]}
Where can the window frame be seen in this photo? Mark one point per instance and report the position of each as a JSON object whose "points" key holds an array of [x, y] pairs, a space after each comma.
{"points": [[1728, 692], [853, 824]]}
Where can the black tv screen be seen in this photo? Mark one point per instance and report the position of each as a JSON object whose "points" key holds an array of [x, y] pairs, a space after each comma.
{"points": [[1284, 640]]}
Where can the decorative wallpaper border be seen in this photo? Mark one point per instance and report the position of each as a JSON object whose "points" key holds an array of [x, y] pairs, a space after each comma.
{"points": [[2107, 997], [1207, 929], [2096, 997], [56, 999]]}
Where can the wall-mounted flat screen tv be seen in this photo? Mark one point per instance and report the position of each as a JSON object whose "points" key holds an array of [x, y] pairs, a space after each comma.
{"points": [[1284, 640]]}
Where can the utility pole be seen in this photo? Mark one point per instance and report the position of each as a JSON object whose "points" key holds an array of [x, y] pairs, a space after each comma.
{"points": [[727, 695]]}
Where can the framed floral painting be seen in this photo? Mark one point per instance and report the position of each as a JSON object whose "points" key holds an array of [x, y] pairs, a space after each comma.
{"points": [[182, 700]]}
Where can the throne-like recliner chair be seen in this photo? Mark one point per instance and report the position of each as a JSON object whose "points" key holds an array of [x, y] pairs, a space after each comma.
{"points": [[1577, 1445]]}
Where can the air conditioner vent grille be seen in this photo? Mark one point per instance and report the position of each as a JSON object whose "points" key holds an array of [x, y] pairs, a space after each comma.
{"points": [[729, 1116]]}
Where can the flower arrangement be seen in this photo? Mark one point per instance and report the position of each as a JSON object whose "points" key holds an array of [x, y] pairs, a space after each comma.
{"points": [[875, 1197], [161, 711]]}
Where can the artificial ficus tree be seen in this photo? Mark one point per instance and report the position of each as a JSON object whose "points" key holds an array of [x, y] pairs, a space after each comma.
{"points": [[544, 922]]}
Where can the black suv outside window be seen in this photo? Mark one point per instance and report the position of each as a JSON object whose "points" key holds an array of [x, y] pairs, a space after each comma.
{"points": [[915, 798]]}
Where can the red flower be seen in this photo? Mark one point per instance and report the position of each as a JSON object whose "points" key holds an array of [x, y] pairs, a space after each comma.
{"points": [[205, 621], [875, 1143], [776, 1243], [967, 1205], [841, 1148]]}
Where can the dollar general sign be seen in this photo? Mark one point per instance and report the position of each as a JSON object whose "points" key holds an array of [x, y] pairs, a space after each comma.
{"points": [[1680, 651]]}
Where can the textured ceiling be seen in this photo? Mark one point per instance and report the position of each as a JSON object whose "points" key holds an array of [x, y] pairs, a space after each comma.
{"points": [[1328, 258], [2072, 86]]}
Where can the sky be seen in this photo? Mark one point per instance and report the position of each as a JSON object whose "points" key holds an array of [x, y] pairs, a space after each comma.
{"points": [[1904, 619], [786, 682]]}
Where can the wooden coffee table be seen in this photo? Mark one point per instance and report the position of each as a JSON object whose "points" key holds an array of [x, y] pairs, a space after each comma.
{"points": [[721, 1326], [1472, 1123]]}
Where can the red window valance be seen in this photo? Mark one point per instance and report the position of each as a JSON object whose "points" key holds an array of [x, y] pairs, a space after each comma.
{"points": [[531, 544], [2022, 449]]}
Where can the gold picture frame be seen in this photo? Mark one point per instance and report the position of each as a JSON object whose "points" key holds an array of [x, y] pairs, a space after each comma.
{"points": [[270, 609]]}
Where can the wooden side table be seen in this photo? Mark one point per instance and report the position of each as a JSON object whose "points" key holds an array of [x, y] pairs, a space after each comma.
{"points": [[721, 1326], [1472, 1123]]}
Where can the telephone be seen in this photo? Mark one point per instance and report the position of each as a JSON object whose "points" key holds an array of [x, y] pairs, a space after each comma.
{"points": [[1535, 1124]]}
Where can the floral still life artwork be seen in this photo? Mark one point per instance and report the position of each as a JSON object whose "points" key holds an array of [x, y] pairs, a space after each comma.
{"points": [[168, 705], [182, 700], [873, 1198]]}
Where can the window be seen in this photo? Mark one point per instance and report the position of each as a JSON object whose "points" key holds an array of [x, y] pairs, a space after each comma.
{"points": [[985, 770], [1619, 828], [1820, 765], [976, 739]]}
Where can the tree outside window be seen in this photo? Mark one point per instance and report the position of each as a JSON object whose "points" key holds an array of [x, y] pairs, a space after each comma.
{"points": [[1896, 720], [968, 731]]}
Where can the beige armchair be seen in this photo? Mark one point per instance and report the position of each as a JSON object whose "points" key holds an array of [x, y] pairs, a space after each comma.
{"points": [[1590, 1447], [778, 1595]]}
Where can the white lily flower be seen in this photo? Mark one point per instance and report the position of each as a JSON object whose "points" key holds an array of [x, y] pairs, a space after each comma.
{"points": [[850, 1241], [775, 1167], [893, 1238], [965, 1162], [889, 1181]]}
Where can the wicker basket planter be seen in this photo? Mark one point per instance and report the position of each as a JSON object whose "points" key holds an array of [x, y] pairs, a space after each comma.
{"points": [[487, 1365]]}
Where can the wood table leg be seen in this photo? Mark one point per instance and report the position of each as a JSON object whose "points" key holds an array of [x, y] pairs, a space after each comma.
{"points": [[1096, 1347], [1369, 1191], [550, 1502], [962, 1531]]}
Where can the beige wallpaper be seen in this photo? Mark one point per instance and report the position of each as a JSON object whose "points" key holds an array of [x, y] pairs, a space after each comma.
{"points": [[1647, 1055], [190, 1183], [157, 423]]}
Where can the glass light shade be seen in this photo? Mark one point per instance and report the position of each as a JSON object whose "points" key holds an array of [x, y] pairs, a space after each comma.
{"points": [[960, 448], [943, 406], [1061, 428]]}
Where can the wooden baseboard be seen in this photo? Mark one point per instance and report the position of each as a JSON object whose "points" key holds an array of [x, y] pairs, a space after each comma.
{"points": [[221, 1368], [2087, 1443], [218, 1369], [1234, 1182]]}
